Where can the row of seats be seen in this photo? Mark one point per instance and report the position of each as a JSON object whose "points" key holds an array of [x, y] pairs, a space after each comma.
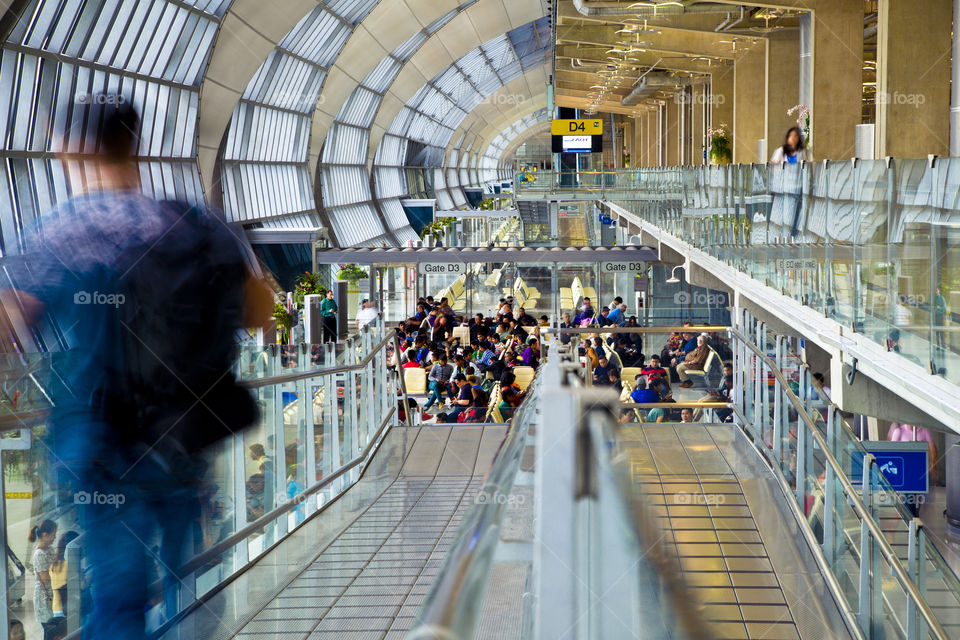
{"points": [[506, 230], [571, 296], [524, 294]]}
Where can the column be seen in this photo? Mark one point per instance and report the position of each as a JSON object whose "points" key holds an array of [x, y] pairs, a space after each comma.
{"points": [[721, 101], [697, 133], [913, 78], [653, 138], [837, 77], [750, 100], [637, 156], [672, 157], [783, 86]]}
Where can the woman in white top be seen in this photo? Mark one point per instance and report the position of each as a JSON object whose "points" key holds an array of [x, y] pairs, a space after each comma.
{"points": [[793, 149]]}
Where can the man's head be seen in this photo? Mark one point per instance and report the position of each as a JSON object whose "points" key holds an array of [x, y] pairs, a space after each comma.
{"points": [[521, 311], [603, 361], [819, 378], [687, 335], [626, 415], [623, 308], [641, 381], [411, 355], [655, 362], [604, 312], [483, 346], [686, 415], [461, 380], [442, 358], [117, 125], [330, 294], [566, 317], [618, 300], [727, 370]]}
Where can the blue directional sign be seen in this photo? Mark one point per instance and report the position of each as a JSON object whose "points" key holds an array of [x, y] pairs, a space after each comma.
{"points": [[605, 219], [903, 464]]}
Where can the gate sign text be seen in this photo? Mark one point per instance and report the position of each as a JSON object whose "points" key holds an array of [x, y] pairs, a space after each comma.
{"points": [[441, 268]]}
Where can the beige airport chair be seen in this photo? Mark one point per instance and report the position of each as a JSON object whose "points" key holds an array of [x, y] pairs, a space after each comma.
{"points": [[524, 376], [712, 359], [462, 334], [415, 380]]}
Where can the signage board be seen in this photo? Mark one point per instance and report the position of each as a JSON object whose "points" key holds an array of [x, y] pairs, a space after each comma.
{"points": [[592, 127], [441, 268], [904, 464], [634, 267]]}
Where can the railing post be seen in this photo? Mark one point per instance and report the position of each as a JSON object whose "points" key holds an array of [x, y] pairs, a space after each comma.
{"points": [[865, 601], [913, 562], [802, 447]]}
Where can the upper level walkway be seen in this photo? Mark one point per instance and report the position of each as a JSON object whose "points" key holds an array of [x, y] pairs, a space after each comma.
{"points": [[861, 258]]}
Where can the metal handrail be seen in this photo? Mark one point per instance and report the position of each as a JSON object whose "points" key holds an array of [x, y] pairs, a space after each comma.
{"points": [[312, 373], [852, 495], [613, 329], [259, 523], [443, 606]]}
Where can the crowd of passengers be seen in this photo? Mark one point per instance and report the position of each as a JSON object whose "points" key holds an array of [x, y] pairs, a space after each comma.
{"points": [[463, 375]]}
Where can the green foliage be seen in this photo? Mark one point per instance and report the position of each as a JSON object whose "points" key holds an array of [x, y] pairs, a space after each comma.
{"points": [[352, 273], [437, 226], [282, 316], [307, 284]]}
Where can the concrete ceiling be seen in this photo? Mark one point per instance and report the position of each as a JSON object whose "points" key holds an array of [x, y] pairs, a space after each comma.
{"points": [[590, 49]]}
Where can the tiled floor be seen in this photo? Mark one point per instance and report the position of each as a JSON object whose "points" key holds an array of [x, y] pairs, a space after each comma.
{"points": [[706, 517], [370, 582]]}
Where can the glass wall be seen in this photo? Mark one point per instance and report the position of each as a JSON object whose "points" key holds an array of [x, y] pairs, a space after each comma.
{"points": [[309, 429], [871, 244]]}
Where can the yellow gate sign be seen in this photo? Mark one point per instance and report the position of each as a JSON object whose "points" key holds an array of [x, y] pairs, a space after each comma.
{"points": [[577, 127], [21, 495]]}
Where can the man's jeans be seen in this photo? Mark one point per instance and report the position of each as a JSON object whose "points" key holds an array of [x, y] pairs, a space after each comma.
{"points": [[436, 389]]}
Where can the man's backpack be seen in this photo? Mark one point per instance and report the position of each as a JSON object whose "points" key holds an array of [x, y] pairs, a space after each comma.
{"points": [[183, 306]]}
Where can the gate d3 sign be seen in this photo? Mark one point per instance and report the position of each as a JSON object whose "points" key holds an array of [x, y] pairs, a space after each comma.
{"points": [[576, 127], [441, 268], [622, 267]]}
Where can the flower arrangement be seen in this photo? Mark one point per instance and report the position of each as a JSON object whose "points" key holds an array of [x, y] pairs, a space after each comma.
{"points": [[307, 284], [803, 120], [720, 149], [352, 273]]}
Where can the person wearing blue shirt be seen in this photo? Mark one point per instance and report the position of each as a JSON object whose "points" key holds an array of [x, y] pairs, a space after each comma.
{"points": [[643, 395]]}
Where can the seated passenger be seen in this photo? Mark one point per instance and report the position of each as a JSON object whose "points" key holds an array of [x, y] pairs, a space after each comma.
{"points": [[411, 363], [693, 361], [525, 319], [686, 415], [601, 373], [613, 376], [531, 355], [654, 370], [641, 394], [603, 319], [567, 323]]}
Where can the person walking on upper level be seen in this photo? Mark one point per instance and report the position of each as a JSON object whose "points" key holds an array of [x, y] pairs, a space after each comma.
{"points": [[793, 149]]}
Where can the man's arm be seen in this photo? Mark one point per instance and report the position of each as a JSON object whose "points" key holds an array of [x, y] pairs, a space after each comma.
{"points": [[258, 303]]}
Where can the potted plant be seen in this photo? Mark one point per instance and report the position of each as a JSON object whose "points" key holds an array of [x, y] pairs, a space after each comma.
{"points": [[721, 151], [803, 121], [352, 273], [307, 284], [284, 321]]}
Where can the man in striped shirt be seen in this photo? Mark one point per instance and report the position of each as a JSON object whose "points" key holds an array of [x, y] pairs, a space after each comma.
{"points": [[484, 356]]}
